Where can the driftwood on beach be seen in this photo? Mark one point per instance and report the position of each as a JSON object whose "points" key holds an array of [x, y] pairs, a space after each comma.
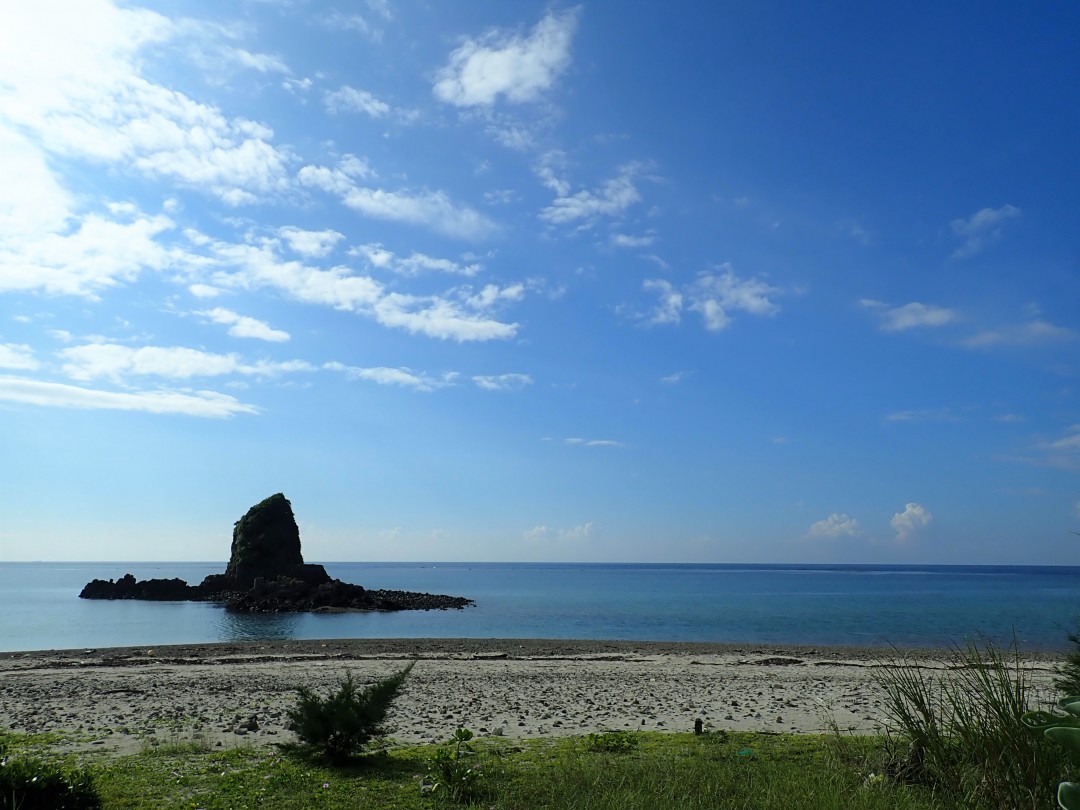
{"points": [[267, 574]]}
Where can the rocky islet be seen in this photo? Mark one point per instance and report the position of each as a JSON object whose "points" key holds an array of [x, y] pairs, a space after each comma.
{"points": [[267, 574]]}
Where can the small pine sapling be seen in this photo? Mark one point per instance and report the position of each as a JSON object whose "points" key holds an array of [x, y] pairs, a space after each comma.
{"points": [[337, 726]]}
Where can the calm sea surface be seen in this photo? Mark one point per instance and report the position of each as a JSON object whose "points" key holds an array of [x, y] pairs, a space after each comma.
{"points": [[905, 606]]}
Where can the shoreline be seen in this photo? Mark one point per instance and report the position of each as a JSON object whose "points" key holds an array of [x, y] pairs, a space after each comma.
{"points": [[123, 699]]}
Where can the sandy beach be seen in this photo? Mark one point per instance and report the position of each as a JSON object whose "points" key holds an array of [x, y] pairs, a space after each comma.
{"points": [[123, 699]]}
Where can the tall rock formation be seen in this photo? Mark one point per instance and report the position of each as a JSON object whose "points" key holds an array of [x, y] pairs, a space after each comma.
{"points": [[266, 545]]}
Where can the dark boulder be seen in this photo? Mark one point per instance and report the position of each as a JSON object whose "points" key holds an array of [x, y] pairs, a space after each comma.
{"points": [[127, 587]]}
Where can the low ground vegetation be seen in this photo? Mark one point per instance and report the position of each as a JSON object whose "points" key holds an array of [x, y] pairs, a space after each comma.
{"points": [[740, 770]]}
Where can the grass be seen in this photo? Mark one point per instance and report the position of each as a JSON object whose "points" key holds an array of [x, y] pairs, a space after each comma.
{"points": [[736, 770], [960, 730]]}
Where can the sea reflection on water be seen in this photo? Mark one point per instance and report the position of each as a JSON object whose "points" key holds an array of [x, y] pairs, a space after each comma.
{"points": [[257, 626]]}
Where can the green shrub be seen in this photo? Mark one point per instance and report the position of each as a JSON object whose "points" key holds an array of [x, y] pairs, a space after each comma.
{"points": [[961, 730], [611, 742], [31, 784], [338, 726]]}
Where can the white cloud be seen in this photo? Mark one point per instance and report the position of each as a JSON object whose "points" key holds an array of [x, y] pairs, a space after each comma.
{"points": [[17, 356], [676, 378], [99, 253], [503, 382], [925, 415], [31, 201], [612, 198], [579, 532], [714, 296], [349, 99], [1069, 443], [204, 291], [92, 102], [378, 256], [431, 209], [629, 241], [912, 519], [1034, 333], [244, 327], [669, 308], [592, 442], [512, 135], [297, 86], [980, 229], [909, 316], [439, 318], [59, 395], [520, 69], [460, 314], [404, 377], [1010, 418], [368, 25], [209, 46], [836, 525], [310, 244], [115, 362]]}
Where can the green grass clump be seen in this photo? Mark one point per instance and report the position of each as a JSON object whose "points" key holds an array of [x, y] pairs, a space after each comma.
{"points": [[612, 742], [961, 730]]}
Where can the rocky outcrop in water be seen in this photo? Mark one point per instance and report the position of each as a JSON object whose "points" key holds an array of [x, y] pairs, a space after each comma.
{"points": [[267, 574]]}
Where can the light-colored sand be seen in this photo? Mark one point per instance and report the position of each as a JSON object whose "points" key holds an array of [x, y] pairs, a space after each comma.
{"points": [[119, 699]]}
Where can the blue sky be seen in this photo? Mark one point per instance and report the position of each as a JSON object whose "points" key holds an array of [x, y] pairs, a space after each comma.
{"points": [[768, 282]]}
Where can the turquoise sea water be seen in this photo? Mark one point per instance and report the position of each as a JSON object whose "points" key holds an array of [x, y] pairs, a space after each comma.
{"points": [[905, 606]]}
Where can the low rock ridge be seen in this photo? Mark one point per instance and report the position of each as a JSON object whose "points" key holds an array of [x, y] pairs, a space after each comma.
{"points": [[267, 574]]}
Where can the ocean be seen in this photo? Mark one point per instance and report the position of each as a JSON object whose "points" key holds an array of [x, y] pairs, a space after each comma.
{"points": [[864, 605]]}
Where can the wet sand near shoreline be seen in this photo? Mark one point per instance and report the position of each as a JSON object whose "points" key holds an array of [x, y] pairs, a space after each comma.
{"points": [[124, 699]]}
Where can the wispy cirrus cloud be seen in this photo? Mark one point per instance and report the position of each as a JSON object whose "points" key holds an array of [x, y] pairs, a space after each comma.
{"points": [[115, 362], [502, 382], [350, 99], [430, 209], [461, 313], [415, 263], [207, 404], [914, 315], [925, 415], [981, 229], [512, 67], [625, 240], [402, 377], [1037, 332], [579, 442]]}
